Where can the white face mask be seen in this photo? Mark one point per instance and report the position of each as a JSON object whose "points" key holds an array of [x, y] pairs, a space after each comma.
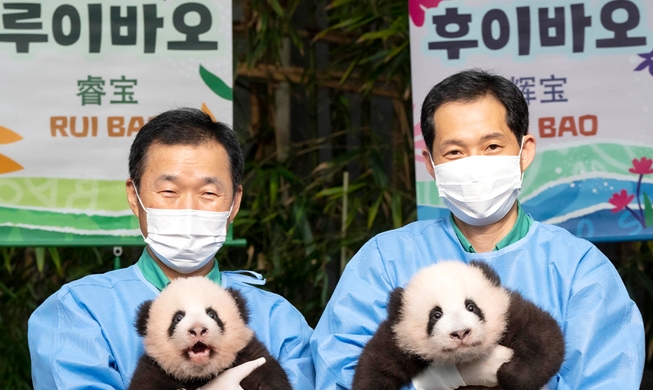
{"points": [[479, 190], [185, 240]]}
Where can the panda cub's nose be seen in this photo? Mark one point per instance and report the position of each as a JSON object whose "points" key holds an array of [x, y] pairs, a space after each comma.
{"points": [[461, 334], [197, 331]]}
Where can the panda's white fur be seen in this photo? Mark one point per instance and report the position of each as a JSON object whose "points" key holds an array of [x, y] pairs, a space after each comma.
{"points": [[452, 313], [193, 331], [448, 285], [215, 347]]}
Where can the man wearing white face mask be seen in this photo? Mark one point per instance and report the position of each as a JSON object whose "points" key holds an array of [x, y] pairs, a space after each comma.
{"points": [[185, 188], [475, 125]]}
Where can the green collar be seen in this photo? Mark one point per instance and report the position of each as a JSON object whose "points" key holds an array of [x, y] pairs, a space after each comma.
{"points": [[154, 274], [519, 231]]}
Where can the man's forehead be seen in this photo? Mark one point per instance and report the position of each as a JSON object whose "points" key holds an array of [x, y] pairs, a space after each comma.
{"points": [[207, 162]]}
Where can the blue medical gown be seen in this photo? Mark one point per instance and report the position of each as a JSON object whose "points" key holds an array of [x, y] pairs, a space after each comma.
{"points": [[565, 275], [83, 336]]}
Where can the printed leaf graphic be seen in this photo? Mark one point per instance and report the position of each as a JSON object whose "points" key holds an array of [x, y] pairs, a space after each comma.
{"points": [[648, 211], [7, 136], [205, 109], [216, 84], [8, 165]]}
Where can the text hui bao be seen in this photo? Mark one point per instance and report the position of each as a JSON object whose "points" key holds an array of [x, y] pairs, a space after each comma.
{"points": [[586, 125], [527, 29]]}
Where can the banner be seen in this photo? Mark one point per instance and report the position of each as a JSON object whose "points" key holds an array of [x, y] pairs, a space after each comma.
{"points": [[586, 71], [78, 81]]}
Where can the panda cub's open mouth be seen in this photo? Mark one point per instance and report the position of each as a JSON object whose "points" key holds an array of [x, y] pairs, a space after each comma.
{"points": [[199, 351]]}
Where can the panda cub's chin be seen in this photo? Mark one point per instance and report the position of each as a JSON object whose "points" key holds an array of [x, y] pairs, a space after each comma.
{"points": [[463, 353]]}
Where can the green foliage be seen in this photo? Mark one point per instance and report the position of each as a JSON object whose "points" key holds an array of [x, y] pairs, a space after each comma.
{"points": [[269, 23], [28, 276], [636, 269], [380, 50], [292, 222]]}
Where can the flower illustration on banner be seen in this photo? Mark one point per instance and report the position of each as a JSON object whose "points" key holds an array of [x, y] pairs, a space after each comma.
{"points": [[621, 200], [6, 164], [647, 63], [642, 166], [417, 10]]}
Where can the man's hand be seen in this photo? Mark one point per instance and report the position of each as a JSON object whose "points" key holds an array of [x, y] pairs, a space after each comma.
{"points": [[230, 379], [483, 372]]}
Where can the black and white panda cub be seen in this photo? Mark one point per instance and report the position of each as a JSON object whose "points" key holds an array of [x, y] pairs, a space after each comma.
{"points": [[195, 330], [451, 313]]}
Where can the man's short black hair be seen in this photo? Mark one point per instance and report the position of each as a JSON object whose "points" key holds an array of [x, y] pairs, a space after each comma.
{"points": [[468, 86], [185, 126]]}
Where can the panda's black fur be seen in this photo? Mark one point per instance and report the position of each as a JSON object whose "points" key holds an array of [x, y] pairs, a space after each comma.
{"points": [[219, 318], [400, 348]]}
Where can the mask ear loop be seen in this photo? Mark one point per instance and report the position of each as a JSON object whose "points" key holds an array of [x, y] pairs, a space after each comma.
{"points": [[432, 162], [521, 147], [139, 198]]}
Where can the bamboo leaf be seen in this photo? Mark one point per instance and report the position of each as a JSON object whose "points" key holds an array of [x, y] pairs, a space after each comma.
{"points": [[39, 254], [277, 7], [646, 281], [371, 215], [56, 259], [274, 188], [372, 35], [396, 210], [8, 291], [339, 3], [7, 254], [338, 190], [347, 73], [394, 52]]}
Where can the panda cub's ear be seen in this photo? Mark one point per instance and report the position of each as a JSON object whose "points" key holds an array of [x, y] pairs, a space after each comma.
{"points": [[142, 316], [395, 302], [489, 272], [240, 302]]}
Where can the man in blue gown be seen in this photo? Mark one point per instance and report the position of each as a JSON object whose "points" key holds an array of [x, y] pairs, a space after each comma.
{"points": [[475, 126], [185, 188]]}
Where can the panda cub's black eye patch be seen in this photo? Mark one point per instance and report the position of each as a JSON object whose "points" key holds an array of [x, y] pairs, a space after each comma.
{"points": [[214, 316], [471, 306], [176, 319], [434, 316]]}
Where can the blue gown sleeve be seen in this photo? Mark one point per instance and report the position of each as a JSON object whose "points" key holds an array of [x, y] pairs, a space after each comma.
{"points": [[354, 312], [294, 352], [282, 329], [603, 328], [67, 348]]}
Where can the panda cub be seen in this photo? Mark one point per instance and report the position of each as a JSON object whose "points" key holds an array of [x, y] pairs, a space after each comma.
{"points": [[195, 330], [451, 313]]}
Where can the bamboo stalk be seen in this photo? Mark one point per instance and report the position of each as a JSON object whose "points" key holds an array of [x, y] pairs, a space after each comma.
{"points": [[298, 75], [343, 220], [330, 37]]}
